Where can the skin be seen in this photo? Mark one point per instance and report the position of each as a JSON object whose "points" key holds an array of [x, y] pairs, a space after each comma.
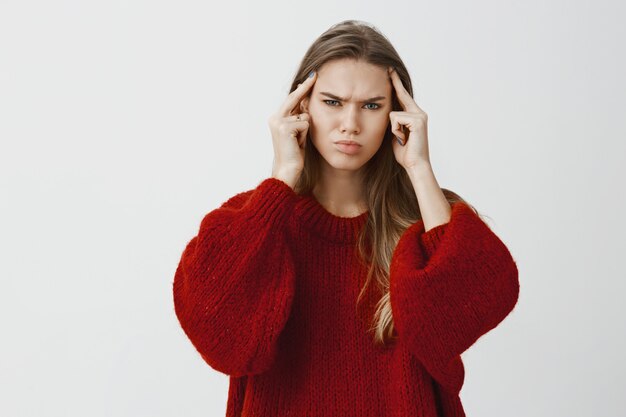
{"points": [[339, 189], [414, 157], [354, 117]]}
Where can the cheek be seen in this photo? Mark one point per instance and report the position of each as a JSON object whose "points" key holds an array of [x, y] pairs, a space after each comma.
{"points": [[379, 123], [318, 115], [377, 129], [313, 109]]}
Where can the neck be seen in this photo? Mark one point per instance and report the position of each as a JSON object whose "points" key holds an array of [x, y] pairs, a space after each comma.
{"points": [[340, 192]]}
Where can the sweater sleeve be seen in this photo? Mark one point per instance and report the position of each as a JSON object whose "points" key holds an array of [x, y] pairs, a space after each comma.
{"points": [[235, 281], [448, 287]]}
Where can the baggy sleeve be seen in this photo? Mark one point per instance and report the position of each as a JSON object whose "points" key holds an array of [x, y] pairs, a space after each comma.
{"points": [[448, 287], [235, 281]]}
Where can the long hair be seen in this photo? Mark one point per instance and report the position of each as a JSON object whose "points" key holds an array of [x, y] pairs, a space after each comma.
{"points": [[390, 196]]}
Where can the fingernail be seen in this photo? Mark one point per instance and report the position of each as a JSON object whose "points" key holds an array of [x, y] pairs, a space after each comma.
{"points": [[311, 74]]}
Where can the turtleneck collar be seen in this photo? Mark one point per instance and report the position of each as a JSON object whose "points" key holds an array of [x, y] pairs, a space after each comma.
{"points": [[311, 215]]}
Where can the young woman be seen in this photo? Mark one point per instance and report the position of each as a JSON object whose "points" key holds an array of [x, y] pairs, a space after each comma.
{"points": [[348, 283]]}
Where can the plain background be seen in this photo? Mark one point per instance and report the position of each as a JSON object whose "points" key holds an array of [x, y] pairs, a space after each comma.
{"points": [[122, 123]]}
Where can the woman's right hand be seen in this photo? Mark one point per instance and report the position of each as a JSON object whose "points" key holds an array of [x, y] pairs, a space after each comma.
{"points": [[289, 131]]}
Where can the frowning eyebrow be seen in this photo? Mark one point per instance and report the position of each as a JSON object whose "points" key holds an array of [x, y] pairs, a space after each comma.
{"points": [[334, 97]]}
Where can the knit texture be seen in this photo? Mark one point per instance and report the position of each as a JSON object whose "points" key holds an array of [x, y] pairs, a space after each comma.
{"points": [[266, 293]]}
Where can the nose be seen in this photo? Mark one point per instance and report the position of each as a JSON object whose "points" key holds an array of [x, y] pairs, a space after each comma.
{"points": [[349, 121]]}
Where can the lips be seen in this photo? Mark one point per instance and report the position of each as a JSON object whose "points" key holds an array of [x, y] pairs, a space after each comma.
{"points": [[348, 142], [348, 147]]}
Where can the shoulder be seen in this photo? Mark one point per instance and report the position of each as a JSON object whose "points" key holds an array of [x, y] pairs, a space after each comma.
{"points": [[238, 200], [275, 189]]}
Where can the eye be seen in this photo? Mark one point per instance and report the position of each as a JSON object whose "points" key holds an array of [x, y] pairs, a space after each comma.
{"points": [[368, 104]]}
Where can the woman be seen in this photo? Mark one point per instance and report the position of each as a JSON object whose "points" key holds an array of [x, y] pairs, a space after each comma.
{"points": [[348, 283]]}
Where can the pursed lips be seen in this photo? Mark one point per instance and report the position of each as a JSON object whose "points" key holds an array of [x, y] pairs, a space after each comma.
{"points": [[348, 142]]}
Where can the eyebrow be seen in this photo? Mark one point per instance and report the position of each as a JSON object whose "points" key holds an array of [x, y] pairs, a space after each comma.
{"points": [[334, 97]]}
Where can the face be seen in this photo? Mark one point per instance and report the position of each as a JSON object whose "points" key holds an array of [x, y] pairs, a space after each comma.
{"points": [[350, 100]]}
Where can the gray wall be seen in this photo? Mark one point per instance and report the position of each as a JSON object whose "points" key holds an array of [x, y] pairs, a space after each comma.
{"points": [[123, 123]]}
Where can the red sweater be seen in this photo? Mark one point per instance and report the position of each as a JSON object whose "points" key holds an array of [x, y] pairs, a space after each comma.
{"points": [[266, 293]]}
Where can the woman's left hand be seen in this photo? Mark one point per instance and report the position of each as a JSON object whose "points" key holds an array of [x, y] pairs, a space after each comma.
{"points": [[413, 151]]}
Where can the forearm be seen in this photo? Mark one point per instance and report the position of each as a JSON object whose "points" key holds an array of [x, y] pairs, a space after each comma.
{"points": [[432, 202]]}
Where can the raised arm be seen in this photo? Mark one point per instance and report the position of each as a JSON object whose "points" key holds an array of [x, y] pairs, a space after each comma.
{"points": [[235, 281], [448, 287]]}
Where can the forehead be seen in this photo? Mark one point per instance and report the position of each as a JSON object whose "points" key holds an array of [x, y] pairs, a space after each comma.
{"points": [[352, 79]]}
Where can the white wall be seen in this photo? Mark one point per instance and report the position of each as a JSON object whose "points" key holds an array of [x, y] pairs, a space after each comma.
{"points": [[123, 123]]}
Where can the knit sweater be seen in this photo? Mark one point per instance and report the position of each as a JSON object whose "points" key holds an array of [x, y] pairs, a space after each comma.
{"points": [[266, 293]]}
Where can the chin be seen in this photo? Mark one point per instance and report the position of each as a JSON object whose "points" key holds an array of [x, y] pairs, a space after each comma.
{"points": [[338, 160]]}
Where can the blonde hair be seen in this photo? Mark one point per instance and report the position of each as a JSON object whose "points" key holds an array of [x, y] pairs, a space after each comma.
{"points": [[390, 196]]}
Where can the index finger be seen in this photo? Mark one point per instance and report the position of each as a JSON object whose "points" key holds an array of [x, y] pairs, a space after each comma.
{"points": [[403, 96], [296, 95]]}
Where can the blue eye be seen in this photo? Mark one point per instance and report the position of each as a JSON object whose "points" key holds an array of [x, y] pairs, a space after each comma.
{"points": [[375, 104]]}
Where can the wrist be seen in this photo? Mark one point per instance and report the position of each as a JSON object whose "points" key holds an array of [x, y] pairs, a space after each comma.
{"points": [[290, 178], [420, 171]]}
